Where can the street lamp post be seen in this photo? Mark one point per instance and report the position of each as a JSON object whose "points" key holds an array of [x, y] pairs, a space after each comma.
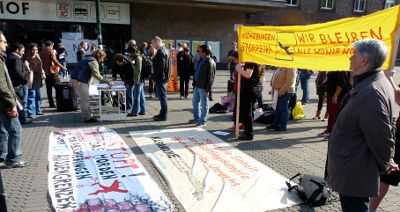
{"points": [[98, 25]]}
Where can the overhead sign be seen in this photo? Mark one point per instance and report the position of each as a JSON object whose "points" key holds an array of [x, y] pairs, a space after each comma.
{"points": [[66, 11], [324, 47], [94, 170], [207, 174]]}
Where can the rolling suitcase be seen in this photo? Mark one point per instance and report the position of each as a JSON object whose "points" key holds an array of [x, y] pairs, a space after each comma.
{"points": [[66, 97]]}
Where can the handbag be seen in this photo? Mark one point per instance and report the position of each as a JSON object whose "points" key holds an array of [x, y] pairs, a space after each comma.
{"points": [[54, 69], [312, 189]]}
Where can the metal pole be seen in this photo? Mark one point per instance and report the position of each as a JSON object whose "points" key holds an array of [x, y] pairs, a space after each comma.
{"points": [[98, 25], [99, 36]]}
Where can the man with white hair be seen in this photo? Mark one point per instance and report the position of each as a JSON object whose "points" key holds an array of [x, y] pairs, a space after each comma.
{"points": [[361, 145]]}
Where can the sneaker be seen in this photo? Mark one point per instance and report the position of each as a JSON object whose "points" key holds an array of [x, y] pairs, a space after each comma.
{"points": [[211, 99], [323, 134], [181, 97], [39, 113], [131, 115], [151, 96], [201, 125], [142, 113], [91, 120], [2, 163], [241, 127], [18, 164], [192, 121]]}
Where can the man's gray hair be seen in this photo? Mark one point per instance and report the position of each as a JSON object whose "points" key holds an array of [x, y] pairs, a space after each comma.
{"points": [[375, 50]]}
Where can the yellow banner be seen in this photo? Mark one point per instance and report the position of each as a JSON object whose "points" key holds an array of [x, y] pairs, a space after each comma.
{"points": [[324, 47]]}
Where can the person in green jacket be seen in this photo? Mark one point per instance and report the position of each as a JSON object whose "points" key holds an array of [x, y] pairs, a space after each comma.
{"points": [[10, 127], [139, 102]]}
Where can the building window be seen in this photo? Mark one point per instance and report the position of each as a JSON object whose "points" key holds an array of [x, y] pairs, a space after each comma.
{"points": [[327, 4], [359, 6], [389, 3], [292, 3]]}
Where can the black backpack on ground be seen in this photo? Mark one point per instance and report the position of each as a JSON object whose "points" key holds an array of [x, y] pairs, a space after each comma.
{"points": [[312, 189], [147, 68], [66, 97]]}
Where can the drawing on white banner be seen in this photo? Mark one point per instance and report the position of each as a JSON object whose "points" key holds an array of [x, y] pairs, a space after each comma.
{"points": [[207, 174], [94, 170]]}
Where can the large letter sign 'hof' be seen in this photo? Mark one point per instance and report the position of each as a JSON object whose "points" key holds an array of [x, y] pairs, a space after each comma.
{"points": [[94, 170], [207, 174], [323, 47]]}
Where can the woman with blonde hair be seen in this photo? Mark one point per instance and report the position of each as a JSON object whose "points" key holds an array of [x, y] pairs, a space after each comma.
{"points": [[283, 82]]}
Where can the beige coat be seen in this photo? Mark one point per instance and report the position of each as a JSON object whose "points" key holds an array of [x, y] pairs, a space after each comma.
{"points": [[284, 80]]}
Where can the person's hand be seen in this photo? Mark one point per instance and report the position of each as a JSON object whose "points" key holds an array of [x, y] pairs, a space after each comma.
{"points": [[392, 166], [335, 100], [281, 92], [12, 112], [110, 84], [205, 93]]}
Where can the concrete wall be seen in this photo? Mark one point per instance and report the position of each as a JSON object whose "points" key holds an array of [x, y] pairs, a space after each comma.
{"points": [[309, 12], [184, 22]]}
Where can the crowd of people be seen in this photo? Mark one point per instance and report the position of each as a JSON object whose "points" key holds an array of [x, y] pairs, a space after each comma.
{"points": [[360, 147]]}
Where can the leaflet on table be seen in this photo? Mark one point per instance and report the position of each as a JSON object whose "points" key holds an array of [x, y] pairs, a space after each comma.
{"points": [[103, 86]]}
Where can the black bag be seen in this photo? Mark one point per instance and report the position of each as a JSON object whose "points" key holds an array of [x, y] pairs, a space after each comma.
{"points": [[147, 68], [268, 117], [230, 86], [66, 97], [312, 189], [218, 108], [19, 91]]}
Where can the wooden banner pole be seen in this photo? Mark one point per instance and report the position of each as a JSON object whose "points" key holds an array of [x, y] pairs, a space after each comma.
{"points": [[237, 107], [395, 49]]}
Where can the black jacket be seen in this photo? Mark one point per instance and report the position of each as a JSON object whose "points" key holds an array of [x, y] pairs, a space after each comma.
{"points": [[126, 71], [17, 70], [206, 76], [161, 71], [185, 64]]}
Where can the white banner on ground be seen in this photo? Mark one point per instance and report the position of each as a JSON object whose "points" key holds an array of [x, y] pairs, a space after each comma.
{"points": [[207, 174], [94, 170]]}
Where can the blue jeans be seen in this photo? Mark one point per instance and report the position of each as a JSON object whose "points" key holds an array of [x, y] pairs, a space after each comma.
{"points": [[199, 98], [10, 138], [282, 110], [304, 81], [161, 89], [129, 97], [138, 98], [24, 101], [350, 204], [34, 102], [63, 71]]}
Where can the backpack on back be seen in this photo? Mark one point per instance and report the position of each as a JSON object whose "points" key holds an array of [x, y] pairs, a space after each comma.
{"points": [[312, 189], [147, 68]]}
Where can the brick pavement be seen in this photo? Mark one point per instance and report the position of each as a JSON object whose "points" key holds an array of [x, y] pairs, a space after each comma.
{"points": [[296, 150]]}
